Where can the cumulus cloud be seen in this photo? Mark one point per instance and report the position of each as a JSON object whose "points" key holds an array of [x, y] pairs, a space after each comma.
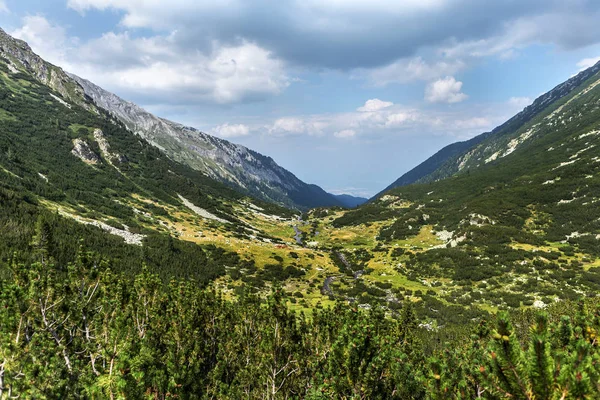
{"points": [[159, 67], [365, 34], [48, 40], [460, 122], [231, 131], [446, 90], [520, 102], [298, 125], [374, 105], [226, 75], [413, 69], [400, 118], [587, 63], [247, 55]]}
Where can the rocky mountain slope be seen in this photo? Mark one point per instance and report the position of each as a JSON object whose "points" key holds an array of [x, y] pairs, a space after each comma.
{"points": [[521, 227], [75, 179], [235, 165], [484, 148], [521, 230], [220, 159]]}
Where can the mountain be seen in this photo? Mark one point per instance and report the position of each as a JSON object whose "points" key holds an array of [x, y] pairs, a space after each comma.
{"points": [[235, 165], [230, 163], [520, 230], [351, 201], [519, 226], [76, 183], [484, 148]]}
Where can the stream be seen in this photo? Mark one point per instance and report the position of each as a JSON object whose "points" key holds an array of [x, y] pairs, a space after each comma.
{"points": [[298, 236]]}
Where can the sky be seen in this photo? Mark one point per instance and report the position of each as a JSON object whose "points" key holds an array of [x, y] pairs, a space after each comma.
{"points": [[346, 94]]}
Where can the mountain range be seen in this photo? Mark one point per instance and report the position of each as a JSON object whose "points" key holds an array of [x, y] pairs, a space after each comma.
{"points": [[232, 164], [486, 147], [140, 258], [506, 220]]}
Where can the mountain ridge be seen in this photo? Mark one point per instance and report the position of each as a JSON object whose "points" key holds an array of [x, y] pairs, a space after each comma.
{"points": [[453, 158], [235, 165], [220, 159]]}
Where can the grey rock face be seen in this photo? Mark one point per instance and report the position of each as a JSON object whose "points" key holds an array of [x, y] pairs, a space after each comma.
{"points": [[220, 159], [21, 58], [83, 151]]}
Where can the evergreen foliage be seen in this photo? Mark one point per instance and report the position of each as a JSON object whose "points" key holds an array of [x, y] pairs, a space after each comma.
{"points": [[85, 331]]}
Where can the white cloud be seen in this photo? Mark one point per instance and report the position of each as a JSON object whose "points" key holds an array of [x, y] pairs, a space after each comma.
{"points": [[400, 118], [231, 131], [374, 105], [587, 63], [413, 69], [158, 67], [446, 90], [460, 122], [344, 134], [297, 125], [3, 7], [519, 102], [49, 41], [331, 33], [288, 125], [227, 75]]}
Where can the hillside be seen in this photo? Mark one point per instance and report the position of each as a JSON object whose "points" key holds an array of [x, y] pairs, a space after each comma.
{"points": [[126, 273], [461, 156], [518, 231], [520, 227], [232, 164]]}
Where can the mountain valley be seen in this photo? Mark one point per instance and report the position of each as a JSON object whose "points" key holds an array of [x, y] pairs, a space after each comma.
{"points": [[508, 221]]}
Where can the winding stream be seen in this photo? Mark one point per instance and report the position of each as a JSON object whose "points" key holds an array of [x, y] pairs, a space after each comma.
{"points": [[298, 236]]}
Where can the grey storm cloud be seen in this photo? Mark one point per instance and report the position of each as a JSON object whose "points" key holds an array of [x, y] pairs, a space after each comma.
{"points": [[354, 34]]}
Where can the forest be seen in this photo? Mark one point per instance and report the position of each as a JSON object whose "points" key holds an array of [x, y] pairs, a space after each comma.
{"points": [[379, 307], [83, 330]]}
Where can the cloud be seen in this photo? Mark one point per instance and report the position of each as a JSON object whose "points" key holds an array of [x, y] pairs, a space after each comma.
{"points": [[344, 134], [400, 118], [231, 131], [159, 68], [459, 123], [413, 69], [297, 125], [520, 102], [374, 105], [446, 90], [3, 7], [587, 63], [352, 34], [225, 75], [47, 40]]}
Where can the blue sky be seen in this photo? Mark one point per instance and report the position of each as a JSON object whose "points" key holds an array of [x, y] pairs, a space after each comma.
{"points": [[346, 94]]}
